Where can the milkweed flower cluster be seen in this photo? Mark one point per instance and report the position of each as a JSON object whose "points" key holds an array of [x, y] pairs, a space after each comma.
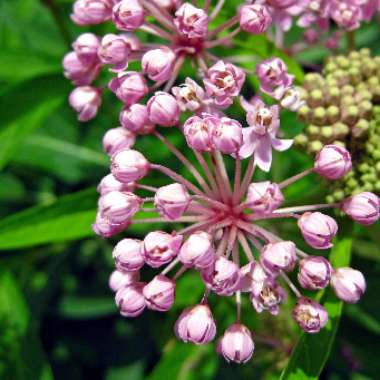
{"points": [[222, 240], [342, 107]]}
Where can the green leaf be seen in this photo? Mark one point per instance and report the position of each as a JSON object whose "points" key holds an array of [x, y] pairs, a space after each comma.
{"points": [[24, 108], [86, 307], [21, 351], [68, 218], [311, 352]]}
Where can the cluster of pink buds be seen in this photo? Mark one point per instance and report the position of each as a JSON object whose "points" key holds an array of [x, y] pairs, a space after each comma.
{"points": [[222, 239]]}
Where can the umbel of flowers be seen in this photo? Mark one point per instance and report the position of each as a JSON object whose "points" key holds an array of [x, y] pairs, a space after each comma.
{"points": [[222, 240], [342, 107]]}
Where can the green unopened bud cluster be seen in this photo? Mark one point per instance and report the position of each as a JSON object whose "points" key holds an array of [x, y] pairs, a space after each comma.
{"points": [[342, 106]]}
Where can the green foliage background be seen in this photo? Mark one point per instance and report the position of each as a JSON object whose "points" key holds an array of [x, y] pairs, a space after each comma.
{"points": [[57, 316]]}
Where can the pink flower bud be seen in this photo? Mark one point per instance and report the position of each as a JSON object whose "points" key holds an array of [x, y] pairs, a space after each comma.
{"points": [[292, 100], [223, 277], [159, 293], [119, 279], [253, 278], [129, 166], [264, 197], [119, 207], [128, 255], [129, 87], [349, 284], [227, 136], [161, 247], [255, 18], [78, 72], [198, 132], [364, 208], [274, 78], [117, 139], [223, 82], [278, 257], [310, 315], [158, 63], [167, 4], [86, 47], [198, 251], [236, 344], [91, 12], [135, 119], [333, 162], [282, 4], [314, 273], [115, 50], [85, 100], [172, 201], [130, 300], [318, 229], [196, 325], [268, 296], [104, 228], [346, 15], [163, 109], [191, 22], [128, 15], [190, 95], [110, 183], [311, 36]]}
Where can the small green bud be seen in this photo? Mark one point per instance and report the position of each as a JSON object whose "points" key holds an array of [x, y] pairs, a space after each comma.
{"points": [[333, 114], [352, 183], [316, 98], [355, 75], [303, 113], [315, 146], [363, 168], [376, 154], [313, 130], [301, 140], [350, 114], [341, 130], [327, 133], [365, 109], [333, 95], [361, 128]]}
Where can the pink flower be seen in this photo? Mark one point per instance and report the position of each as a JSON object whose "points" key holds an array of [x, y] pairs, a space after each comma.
{"points": [[160, 248], [90, 12], [172, 201], [264, 197], [333, 162], [318, 229], [224, 82], [158, 63], [255, 18], [190, 96], [129, 165], [196, 325], [116, 139], [260, 137], [277, 257], [129, 87], [268, 296], [128, 255], [223, 277], [159, 293], [77, 71], [253, 278], [128, 15], [236, 344], [103, 227], [310, 315], [86, 47], [198, 251], [130, 300], [227, 135], [191, 22], [85, 100], [119, 206], [135, 119], [349, 284], [364, 208], [198, 132], [163, 109], [314, 273], [110, 183], [274, 77], [120, 280], [346, 15], [115, 50]]}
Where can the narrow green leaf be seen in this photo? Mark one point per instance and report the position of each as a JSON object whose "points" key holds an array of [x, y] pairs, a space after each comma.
{"points": [[311, 352], [22, 357], [68, 218]]}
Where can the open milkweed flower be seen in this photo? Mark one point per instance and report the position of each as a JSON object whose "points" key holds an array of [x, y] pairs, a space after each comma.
{"points": [[214, 218]]}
